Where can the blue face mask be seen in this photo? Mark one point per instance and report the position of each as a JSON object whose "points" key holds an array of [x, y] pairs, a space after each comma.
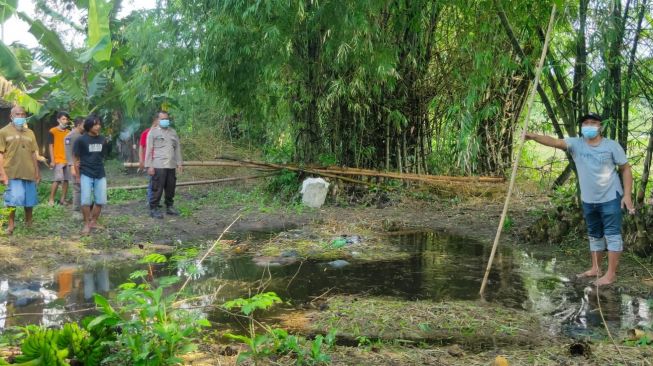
{"points": [[589, 132], [164, 123], [20, 121]]}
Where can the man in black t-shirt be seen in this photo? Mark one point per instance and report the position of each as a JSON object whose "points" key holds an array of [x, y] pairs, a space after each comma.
{"points": [[89, 172]]}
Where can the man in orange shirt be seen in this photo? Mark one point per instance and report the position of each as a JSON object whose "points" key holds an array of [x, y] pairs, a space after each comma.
{"points": [[57, 144]]}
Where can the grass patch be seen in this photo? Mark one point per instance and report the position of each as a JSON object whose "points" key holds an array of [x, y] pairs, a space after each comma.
{"points": [[115, 196], [472, 324], [319, 243]]}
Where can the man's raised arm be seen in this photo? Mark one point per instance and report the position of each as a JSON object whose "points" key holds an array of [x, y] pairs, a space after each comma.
{"points": [[547, 140]]}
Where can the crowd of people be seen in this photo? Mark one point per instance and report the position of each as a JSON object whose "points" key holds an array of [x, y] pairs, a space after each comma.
{"points": [[77, 152]]}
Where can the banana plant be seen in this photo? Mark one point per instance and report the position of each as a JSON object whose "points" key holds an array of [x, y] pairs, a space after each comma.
{"points": [[84, 78]]}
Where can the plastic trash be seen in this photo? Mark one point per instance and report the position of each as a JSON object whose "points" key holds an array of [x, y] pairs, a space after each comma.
{"points": [[339, 263], [314, 192], [338, 243]]}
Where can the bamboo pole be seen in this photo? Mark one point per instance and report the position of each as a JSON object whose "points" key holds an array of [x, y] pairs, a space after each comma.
{"points": [[522, 140], [408, 176], [211, 163], [334, 171], [198, 182]]}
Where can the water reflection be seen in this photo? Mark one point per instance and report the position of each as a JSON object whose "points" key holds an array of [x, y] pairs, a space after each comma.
{"points": [[439, 267], [47, 301]]}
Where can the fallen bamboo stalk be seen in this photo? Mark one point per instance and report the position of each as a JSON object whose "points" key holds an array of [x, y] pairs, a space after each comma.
{"points": [[375, 173], [409, 176], [336, 172], [195, 183], [212, 163], [257, 165], [310, 171]]}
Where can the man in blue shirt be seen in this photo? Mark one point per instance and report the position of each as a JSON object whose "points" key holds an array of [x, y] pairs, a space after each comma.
{"points": [[601, 192]]}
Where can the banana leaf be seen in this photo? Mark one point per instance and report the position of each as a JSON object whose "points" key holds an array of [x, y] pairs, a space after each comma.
{"points": [[51, 42], [7, 9], [10, 68], [21, 98], [98, 29], [90, 53]]}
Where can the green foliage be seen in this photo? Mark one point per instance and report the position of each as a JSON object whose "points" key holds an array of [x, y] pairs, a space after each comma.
{"points": [[4, 211], [123, 195], [144, 328], [7, 9], [565, 196], [56, 347], [154, 258], [153, 330], [10, 68], [99, 33], [508, 223], [262, 301], [276, 341], [284, 185], [644, 341]]}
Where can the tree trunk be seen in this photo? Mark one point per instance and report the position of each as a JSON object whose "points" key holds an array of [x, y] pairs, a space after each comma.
{"points": [[579, 89], [639, 200]]}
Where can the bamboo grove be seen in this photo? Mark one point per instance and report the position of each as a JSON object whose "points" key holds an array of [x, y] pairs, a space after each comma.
{"points": [[419, 86], [415, 86]]}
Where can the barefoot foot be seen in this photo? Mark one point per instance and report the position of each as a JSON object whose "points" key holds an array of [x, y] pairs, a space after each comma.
{"points": [[605, 280], [86, 230], [589, 273], [95, 225]]}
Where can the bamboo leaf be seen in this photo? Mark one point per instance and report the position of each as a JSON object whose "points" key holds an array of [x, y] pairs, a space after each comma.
{"points": [[98, 29], [10, 68]]}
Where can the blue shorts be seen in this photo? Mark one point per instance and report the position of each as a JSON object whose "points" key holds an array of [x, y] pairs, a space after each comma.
{"points": [[21, 193], [604, 220], [94, 190]]}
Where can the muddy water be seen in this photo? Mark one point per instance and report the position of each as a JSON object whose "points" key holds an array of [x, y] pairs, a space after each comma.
{"points": [[440, 267]]}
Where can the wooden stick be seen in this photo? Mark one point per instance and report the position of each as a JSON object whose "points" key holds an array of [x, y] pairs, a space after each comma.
{"points": [[195, 183], [522, 140]]}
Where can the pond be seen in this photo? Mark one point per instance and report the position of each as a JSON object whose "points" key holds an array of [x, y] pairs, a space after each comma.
{"points": [[440, 267]]}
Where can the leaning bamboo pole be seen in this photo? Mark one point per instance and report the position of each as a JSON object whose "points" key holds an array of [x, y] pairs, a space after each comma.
{"points": [[522, 140]]}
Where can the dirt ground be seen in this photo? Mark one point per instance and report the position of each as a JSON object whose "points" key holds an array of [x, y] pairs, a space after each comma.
{"points": [[471, 211], [55, 238]]}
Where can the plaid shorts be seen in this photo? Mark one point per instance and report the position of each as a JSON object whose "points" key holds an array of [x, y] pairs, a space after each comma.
{"points": [[62, 173]]}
